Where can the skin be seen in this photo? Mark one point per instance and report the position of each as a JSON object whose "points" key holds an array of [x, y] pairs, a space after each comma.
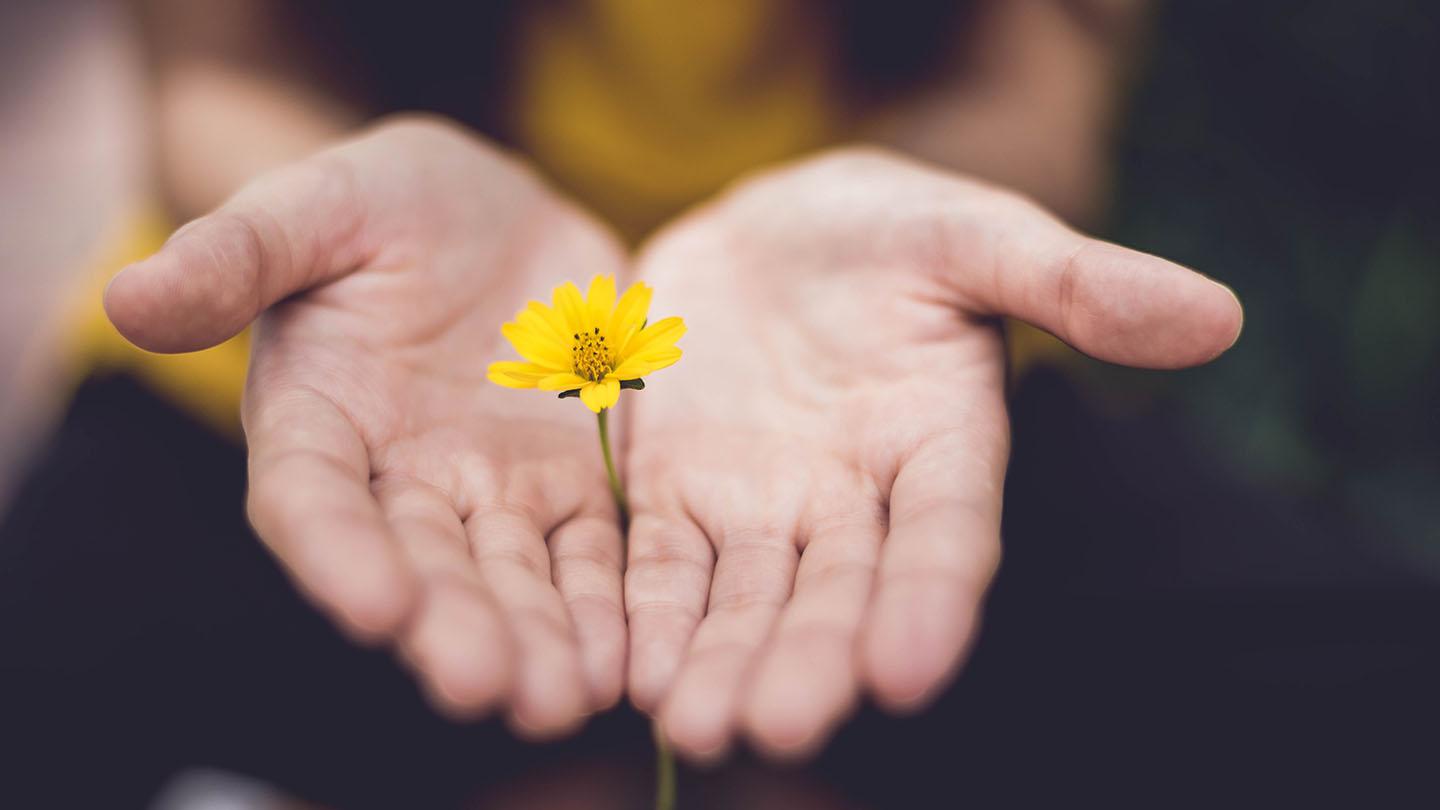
{"points": [[817, 485], [417, 503]]}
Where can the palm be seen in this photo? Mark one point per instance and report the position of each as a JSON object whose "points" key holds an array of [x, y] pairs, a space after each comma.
{"points": [[408, 495], [817, 486]]}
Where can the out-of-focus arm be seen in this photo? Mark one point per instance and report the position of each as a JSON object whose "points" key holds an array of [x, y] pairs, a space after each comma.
{"points": [[1032, 102], [236, 92]]}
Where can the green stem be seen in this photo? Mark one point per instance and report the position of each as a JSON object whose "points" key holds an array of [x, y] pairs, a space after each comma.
{"points": [[664, 760], [664, 773], [616, 488]]}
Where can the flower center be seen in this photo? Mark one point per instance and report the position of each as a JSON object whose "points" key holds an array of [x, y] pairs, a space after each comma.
{"points": [[590, 355]]}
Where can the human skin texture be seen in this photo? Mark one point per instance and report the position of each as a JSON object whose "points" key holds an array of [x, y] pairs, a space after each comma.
{"points": [[816, 488], [415, 502]]}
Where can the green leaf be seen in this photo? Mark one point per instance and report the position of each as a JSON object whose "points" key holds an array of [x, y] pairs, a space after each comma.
{"points": [[634, 385]]}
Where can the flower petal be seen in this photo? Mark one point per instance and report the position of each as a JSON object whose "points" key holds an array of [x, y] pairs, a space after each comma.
{"points": [[598, 396], [659, 335], [564, 381], [600, 300], [629, 313], [535, 348], [545, 322], [638, 365], [571, 306], [512, 374]]}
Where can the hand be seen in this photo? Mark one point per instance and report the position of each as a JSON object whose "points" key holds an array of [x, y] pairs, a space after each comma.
{"points": [[816, 487], [409, 497]]}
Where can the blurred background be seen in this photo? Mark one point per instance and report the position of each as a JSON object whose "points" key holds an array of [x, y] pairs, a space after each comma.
{"points": [[1216, 579]]}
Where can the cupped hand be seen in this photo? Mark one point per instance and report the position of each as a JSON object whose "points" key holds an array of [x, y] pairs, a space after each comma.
{"points": [[411, 499], [816, 488]]}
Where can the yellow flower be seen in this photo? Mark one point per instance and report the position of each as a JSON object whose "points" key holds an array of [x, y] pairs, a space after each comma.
{"points": [[589, 344]]}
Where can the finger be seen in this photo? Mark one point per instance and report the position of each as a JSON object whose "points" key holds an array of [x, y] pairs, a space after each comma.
{"points": [[289, 230], [585, 555], [310, 502], [808, 676], [550, 696], [667, 583], [1110, 302], [937, 560], [457, 641], [754, 574]]}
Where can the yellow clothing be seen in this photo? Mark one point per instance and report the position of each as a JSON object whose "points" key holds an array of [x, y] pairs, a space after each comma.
{"points": [[641, 108]]}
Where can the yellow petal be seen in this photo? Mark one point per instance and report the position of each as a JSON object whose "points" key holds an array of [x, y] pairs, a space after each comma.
{"points": [[600, 300], [571, 306], [637, 366], [659, 335], [598, 396], [536, 349], [545, 322], [512, 374], [564, 381], [629, 313]]}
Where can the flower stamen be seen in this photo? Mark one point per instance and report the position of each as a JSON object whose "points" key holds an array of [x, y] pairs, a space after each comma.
{"points": [[590, 356]]}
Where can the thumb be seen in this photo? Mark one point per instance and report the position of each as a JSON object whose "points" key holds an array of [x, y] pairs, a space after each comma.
{"points": [[287, 231], [1113, 303]]}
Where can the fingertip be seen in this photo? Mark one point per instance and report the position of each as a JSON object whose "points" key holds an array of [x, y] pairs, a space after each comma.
{"points": [[1205, 319], [897, 688], [799, 695], [907, 658], [649, 680], [781, 734], [200, 289], [550, 701], [695, 735], [373, 597], [657, 645], [461, 651], [898, 693], [788, 717], [604, 664], [602, 639], [374, 618], [644, 701], [132, 303], [700, 716], [115, 304], [1229, 320], [1129, 307], [464, 696], [538, 723], [789, 746]]}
